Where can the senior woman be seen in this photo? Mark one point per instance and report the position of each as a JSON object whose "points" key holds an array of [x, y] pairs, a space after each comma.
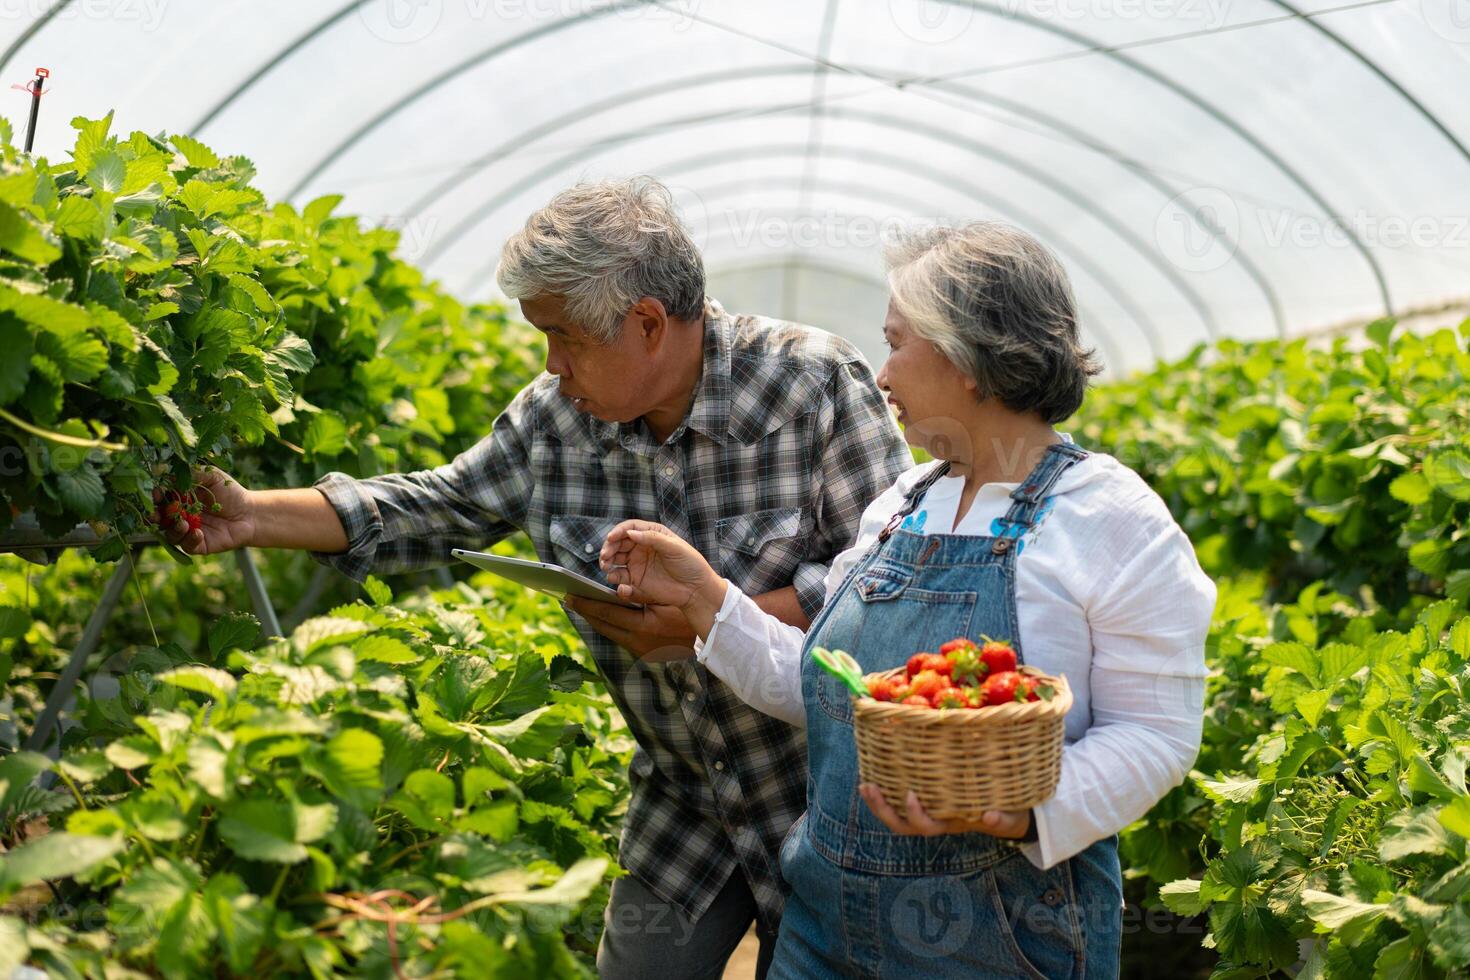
{"points": [[1015, 532]]}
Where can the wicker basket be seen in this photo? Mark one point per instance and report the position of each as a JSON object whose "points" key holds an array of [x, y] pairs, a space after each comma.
{"points": [[963, 761]]}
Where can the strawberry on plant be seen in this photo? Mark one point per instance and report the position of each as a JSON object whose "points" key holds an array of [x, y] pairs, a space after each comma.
{"points": [[1003, 688]]}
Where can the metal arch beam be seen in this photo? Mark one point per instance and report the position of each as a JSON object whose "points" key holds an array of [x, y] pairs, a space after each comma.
{"points": [[266, 67], [801, 262], [908, 167], [867, 192], [36, 25], [1151, 255], [506, 147], [477, 215], [1384, 76], [419, 91], [1142, 173], [1199, 102]]}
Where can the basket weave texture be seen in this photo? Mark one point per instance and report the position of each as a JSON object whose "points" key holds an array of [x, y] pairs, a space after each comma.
{"points": [[963, 761]]}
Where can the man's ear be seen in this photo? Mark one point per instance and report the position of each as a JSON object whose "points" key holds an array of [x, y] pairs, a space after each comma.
{"points": [[651, 321]]}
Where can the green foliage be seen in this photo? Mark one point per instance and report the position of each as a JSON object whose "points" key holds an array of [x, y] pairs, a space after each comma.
{"points": [[165, 315], [1309, 463], [392, 787]]}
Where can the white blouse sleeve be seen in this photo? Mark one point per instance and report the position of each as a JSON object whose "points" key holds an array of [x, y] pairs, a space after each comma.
{"points": [[1149, 620], [758, 656]]}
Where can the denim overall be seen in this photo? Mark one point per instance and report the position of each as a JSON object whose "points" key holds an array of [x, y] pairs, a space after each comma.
{"points": [[867, 902]]}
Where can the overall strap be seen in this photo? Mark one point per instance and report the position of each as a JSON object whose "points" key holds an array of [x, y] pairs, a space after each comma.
{"points": [[1027, 498], [912, 498]]}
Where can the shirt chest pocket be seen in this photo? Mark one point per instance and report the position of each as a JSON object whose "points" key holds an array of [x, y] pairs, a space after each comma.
{"points": [[577, 541], [759, 551]]}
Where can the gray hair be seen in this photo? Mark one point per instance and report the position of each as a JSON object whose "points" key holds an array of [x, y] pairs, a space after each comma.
{"points": [[998, 304], [602, 247]]}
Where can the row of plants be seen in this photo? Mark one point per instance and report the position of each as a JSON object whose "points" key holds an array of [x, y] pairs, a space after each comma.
{"points": [[395, 789], [1325, 487]]}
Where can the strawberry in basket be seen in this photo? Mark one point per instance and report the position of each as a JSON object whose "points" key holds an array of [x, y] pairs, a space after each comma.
{"points": [[961, 675]]}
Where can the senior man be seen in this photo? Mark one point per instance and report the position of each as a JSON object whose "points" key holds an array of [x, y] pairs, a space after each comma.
{"points": [[759, 441]]}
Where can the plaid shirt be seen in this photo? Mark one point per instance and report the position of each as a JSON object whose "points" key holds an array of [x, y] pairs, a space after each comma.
{"points": [[786, 442]]}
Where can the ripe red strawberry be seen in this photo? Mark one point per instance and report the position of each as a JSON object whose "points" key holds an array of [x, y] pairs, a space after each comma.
{"points": [[939, 663], [1037, 690], [880, 688], [959, 643], [976, 696], [194, 521], [927, 683], [916, 663], [898, 689], [998, 657], [951, 697], [917, 701], [1002, 688]]}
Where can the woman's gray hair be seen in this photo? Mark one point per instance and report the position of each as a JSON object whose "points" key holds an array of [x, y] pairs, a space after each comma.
{"points": [[602, 247], [998, 304]]}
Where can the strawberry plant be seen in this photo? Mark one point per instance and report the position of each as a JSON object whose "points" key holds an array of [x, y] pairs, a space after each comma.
{"points": [[165, 316], [1310, 462], [384, 792]]}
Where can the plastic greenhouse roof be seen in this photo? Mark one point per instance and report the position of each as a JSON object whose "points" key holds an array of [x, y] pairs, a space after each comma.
{"points": [[1205, 168]]}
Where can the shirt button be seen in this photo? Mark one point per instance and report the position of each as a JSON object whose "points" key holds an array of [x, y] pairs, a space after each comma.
{"points": [[750, 540], [587, 548], [719, 767], [689, 696], [668, 471]]}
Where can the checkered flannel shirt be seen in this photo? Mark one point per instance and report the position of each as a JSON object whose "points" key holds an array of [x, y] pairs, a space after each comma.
{"points": [[787, 440]]}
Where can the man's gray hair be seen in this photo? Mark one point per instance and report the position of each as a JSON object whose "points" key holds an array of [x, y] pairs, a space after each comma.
{"points": [[602, 247], [998, 304]]}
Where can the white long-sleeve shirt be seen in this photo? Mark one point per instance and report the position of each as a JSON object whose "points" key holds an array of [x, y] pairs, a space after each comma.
{"points": [[1108, 592]]}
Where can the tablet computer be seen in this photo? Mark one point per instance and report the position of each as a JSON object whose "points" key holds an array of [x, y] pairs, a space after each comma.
{"points": [[543, 577]]}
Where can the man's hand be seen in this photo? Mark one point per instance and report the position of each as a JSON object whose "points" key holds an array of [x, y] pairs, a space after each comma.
{"points": [[653, 633], [1011, 824], [232, 527]]}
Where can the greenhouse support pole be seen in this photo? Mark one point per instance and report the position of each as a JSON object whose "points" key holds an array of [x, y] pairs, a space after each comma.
{"points": [[72, 672], [41, 75], [264, 611]]}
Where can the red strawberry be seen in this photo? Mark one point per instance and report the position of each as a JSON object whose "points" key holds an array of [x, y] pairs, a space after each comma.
{"points": [[976, 696], [1002, 688], [998, 657], [927, 683], [959, 643], [916, 663], [194, 521], [880, 688], [939, 663], [951, 697], [898, 689], [1038, 690], [917, 701]]}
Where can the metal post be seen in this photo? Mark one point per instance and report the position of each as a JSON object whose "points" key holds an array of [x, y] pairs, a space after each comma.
{"points": [[264, 611], [41, 75], [72, 672]]}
